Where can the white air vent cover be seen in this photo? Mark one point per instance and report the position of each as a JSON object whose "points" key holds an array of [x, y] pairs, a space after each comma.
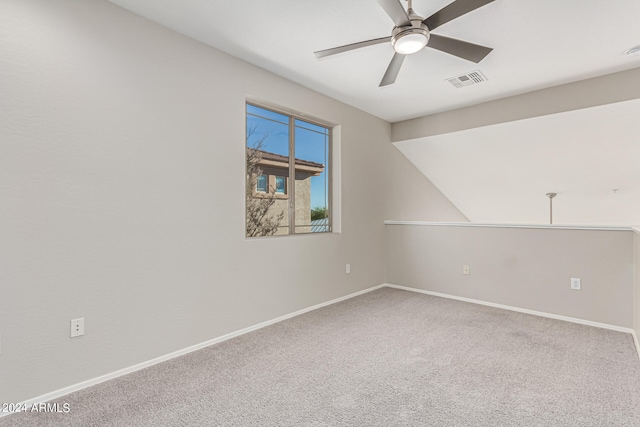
{"points": [[468, 79]]}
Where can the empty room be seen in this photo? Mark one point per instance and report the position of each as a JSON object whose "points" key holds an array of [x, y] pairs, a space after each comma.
{"points": [[321, 213]]}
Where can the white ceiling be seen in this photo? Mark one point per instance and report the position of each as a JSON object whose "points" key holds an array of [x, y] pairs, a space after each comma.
{"points": [[497, 173], [536, 44], [501, 173]]}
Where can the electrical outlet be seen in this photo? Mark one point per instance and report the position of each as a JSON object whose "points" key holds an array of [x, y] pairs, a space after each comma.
{"points": [[347, 268], [576, 285], [77, 327], [466, 270]]}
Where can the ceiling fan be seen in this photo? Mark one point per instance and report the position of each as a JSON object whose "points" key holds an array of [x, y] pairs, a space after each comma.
{"points": [[412, 33]]}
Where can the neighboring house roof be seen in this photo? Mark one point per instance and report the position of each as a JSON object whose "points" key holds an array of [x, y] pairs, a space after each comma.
{"points": [[278, 160]]}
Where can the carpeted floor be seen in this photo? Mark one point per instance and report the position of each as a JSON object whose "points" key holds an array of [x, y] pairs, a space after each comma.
{"points": [[386, 358]]}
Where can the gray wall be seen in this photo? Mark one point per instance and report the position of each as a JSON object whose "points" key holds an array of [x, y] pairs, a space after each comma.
{"points": [[410, 195], [525, 268], [607, 89], [122, 196]]}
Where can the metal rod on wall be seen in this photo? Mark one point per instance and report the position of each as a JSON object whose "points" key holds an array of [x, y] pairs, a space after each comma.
{"points": [[551, 196]]}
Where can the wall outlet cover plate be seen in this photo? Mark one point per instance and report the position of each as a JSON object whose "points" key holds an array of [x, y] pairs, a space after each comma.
{"points": [[576, 284]]}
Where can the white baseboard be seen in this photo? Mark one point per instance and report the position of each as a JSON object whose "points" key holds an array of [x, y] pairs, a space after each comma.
{"points": [[521, 310], [635, 340], [84, 384]]}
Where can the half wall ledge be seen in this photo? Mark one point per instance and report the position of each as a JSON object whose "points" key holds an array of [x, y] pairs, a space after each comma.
{"points": [[499, 225]]}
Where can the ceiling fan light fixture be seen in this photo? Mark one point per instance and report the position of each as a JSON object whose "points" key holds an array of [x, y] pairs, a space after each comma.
{"points": [[634, 51], [410, 40]]}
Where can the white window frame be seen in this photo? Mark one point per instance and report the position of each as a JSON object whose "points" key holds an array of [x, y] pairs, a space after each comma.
{"points": [[333, 198]]}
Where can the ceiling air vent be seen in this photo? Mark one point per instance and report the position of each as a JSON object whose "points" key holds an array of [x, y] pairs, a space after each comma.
{"points": [[468, 79]]}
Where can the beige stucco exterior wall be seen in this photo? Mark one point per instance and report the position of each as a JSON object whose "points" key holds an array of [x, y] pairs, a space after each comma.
{"points": [[302, 210], [303, 205]]}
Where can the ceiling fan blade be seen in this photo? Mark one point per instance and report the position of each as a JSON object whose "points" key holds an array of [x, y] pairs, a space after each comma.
{"points": [[396, 11], [348, 47], [392, 70], [469, 51], [453, 11]]}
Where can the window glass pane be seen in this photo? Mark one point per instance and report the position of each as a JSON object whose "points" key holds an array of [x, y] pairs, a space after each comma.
{"points": [[268, 135], [267, 145], [267, 114], [262, 183], [310, 126], [312, 178], [281, 184]]}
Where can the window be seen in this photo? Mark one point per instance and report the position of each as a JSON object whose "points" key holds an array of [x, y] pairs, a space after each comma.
{"points": [[261, 183], [288, 165], [281, 184]]}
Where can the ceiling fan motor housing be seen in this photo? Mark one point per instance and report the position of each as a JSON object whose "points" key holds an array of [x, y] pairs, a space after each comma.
{"points": [[408, 39]]}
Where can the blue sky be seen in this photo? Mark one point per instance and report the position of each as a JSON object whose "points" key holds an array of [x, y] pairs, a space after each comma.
{"points": [[312, 142]]}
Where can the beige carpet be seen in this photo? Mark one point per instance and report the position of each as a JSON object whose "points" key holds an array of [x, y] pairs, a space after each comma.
{"points": [[386, 358]]}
